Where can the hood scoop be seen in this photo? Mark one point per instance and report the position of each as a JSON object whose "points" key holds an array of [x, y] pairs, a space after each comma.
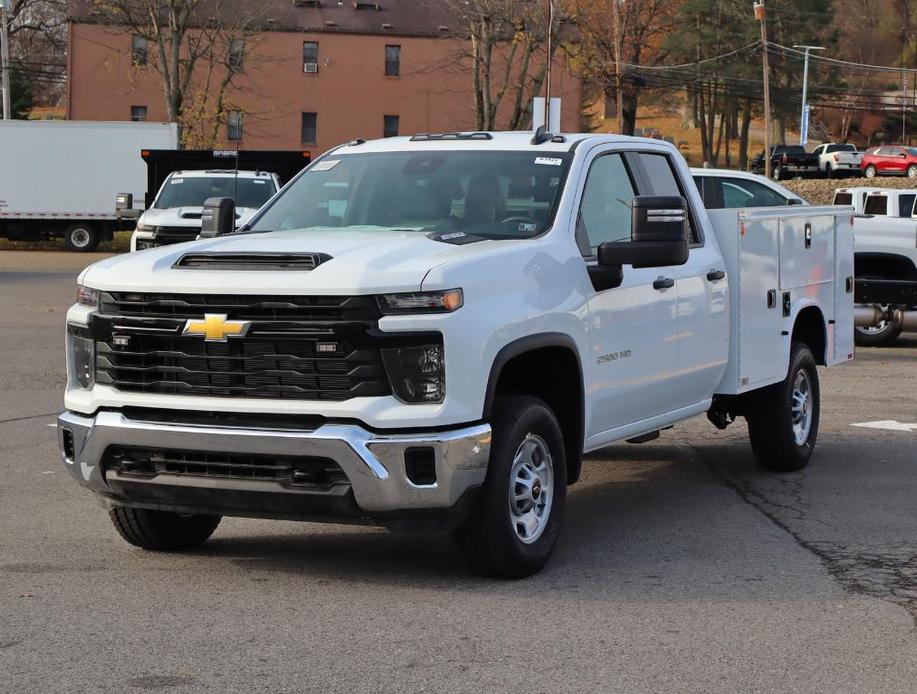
{"points": [[251, 262]]}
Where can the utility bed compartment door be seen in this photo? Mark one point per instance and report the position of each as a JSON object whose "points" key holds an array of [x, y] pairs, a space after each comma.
{"points": [[760, 319], [840, 338]]}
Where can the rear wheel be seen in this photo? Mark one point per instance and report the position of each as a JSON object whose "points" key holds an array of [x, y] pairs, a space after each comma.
{"points": [[880, 335], [912, 171], [783, 418], [512, 531], [162, 531], [871, 171], [778, 172], [81, 237]]}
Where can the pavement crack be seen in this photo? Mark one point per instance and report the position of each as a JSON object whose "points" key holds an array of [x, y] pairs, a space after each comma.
{"points": [[31, 416], [886, 572]]}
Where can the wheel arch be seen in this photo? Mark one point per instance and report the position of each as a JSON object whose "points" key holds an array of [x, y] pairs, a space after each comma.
{"points": [[556, 360], [810, 328]]}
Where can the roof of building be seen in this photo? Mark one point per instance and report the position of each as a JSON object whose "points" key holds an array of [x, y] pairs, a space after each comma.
{"points": [[382, 17]]}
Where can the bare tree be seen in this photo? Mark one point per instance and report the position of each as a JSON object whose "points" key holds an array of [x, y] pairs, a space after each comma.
{"points": [[504, 44], [37, 31], [198, 48]]}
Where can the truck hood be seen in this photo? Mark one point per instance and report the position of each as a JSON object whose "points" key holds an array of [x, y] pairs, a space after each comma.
{"points": [[187, 216], [361, 262]]}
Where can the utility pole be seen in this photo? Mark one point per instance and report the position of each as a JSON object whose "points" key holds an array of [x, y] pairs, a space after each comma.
{"points": [[761, 16], [804, 118], [5, 60], [619, 101]]}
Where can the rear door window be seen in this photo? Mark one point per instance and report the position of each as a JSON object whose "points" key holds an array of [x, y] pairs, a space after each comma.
{"points": [[876, 204], [906, 205]]}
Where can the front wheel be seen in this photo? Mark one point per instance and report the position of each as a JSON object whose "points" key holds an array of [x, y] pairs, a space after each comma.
{"points": [[783, 418], [82, 237], [162, 531], [512, 531], [871, 171]]}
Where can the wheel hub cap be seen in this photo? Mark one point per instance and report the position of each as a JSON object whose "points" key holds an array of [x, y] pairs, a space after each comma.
{"points": [[802, 407], [531, 488]]}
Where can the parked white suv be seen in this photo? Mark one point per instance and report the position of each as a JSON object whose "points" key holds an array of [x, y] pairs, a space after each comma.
{"points": [[175, 215], [429, 332]]}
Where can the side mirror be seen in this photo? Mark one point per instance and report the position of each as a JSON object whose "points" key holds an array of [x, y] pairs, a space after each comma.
{"points": [[218, 217], [793, 201], [124, 202], [659, 234]]}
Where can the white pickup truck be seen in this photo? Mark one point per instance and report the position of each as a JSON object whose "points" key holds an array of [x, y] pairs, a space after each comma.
{"points": [[835, 159], [429, 332]]}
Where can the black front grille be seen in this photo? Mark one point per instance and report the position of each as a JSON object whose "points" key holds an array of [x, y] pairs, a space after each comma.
{"points": [[241, 306], [320, 474], [267, 367], [166, 235]]}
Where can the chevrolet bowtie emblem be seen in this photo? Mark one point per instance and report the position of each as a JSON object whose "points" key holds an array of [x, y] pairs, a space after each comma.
{"points": [[216, 328]]}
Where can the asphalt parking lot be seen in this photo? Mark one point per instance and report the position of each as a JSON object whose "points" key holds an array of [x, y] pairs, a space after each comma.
{"points": [[681, 568]]}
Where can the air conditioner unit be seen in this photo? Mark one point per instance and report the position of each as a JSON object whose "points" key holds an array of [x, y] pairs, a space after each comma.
{"points": [[310, 68]]}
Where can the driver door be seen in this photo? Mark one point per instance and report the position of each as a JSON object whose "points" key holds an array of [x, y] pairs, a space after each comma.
{"points": [[633, 327]]}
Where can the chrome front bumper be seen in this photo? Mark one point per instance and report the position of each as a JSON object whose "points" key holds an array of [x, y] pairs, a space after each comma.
{"points": [[374, 463]]}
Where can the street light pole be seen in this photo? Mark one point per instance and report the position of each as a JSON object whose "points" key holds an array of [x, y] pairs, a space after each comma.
{"points": [[761, 16], [5, 61], [804, 117]]}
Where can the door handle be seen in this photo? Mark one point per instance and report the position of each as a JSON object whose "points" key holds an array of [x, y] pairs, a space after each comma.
{"points": [[664, 283], [715, 275]]}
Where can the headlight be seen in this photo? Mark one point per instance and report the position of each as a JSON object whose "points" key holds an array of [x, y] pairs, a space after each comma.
{"points": [[82, 357], [422, 302], [417, 374], [86, 296], [147, 228]]}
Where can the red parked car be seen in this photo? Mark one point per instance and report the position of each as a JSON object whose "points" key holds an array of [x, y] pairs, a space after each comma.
{"points": [[890, 160]]}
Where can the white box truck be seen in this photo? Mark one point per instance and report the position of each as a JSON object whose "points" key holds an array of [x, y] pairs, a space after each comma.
{"points": [[61, 178]]}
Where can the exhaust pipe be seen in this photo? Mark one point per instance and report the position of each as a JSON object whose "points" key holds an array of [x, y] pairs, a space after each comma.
{"points": [[907, 318], [867, 316]]}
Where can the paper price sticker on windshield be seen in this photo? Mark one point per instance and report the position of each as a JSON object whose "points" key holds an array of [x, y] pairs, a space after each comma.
{"points": [[548, 161], [325, 165]]}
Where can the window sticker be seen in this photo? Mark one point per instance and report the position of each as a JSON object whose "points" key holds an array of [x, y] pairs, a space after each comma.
{"points": [[548, 161], [176, 181], [260, 183], [326, 165]]}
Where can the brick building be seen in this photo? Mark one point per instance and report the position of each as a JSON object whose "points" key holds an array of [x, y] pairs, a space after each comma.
{"points": [[319, 74]]}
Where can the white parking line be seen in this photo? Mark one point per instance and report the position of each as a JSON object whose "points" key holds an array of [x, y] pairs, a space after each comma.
{"points": [[887, 425]]}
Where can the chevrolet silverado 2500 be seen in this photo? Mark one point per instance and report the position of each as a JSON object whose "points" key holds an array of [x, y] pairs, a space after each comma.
{"points": [[429, 332]]}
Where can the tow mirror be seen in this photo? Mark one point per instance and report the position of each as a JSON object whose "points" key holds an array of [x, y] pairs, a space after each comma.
{"points": [[124, 202], [218, 217], [658, 234]]}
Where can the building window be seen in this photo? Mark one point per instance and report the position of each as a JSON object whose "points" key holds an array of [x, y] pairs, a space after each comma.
{"points": [[310, 57], [393, 61], [138, 50], [234, 126], [309, 128], [390, 126], [236, 58], [138, 114]]}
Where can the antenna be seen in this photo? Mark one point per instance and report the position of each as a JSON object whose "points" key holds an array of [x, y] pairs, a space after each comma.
{"points": [[547, 82]]}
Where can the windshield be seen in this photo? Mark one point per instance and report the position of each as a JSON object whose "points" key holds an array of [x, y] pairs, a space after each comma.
{"points": [[190, 191], [489, 194]]}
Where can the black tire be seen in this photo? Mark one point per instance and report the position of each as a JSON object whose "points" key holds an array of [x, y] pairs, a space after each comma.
{"points": [[162, 531], [82, 237], [777, 172], [880, 337], [912, 171], [771, 422], [490, 538], [871, 171], [829, 171]]}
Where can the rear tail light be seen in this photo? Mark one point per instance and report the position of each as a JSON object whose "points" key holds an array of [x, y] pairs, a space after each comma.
{"points": [[784, 158], [835, 158]]}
